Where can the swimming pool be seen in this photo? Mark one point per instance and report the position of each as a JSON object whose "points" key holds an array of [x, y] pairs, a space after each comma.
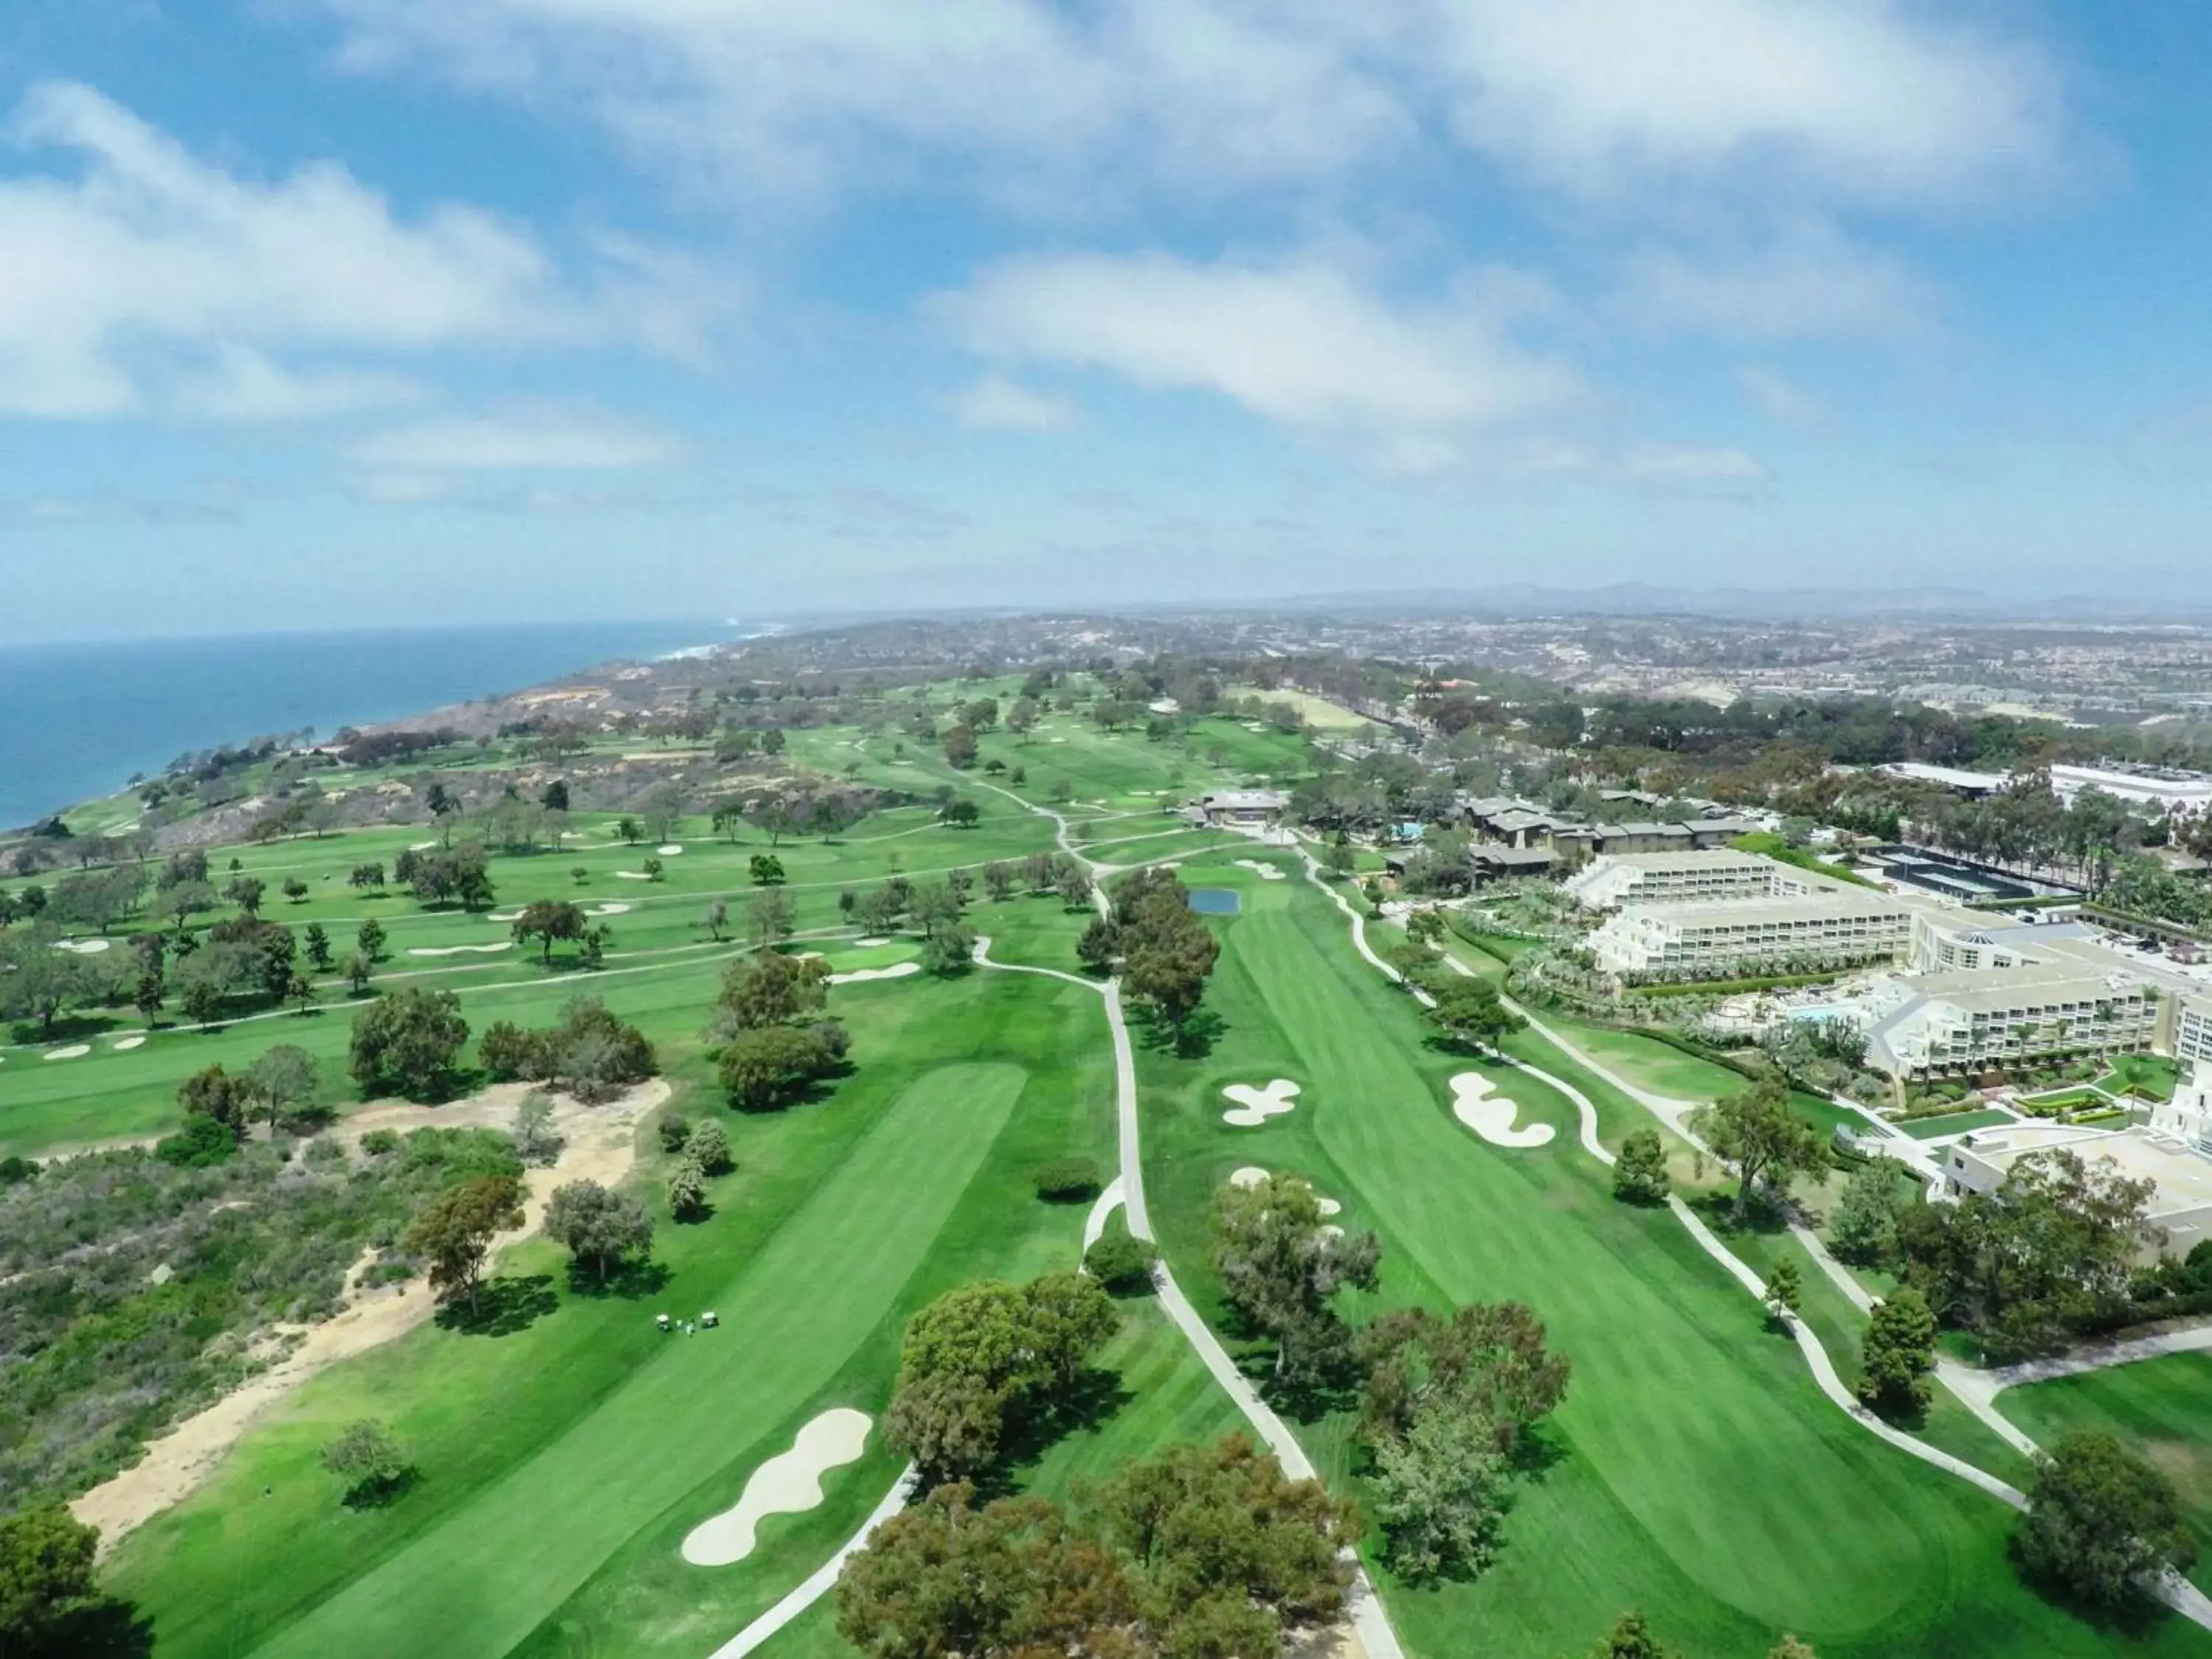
{"points": [[1214, 901]]}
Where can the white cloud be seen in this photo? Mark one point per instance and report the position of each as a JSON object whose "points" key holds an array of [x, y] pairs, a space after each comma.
{"points": [[149, 281], [1875, 101], [524, 436], [1690, 465], [996, 404], [1780, 398], [1809, 281], [1878, 100], [1299, 342]]}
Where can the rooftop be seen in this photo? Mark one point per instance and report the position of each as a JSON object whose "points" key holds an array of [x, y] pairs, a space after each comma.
{"points": [[1846, 902], [2184, 1179]]}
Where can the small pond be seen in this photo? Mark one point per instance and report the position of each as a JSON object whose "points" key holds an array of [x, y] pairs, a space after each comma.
{"points": [[1214, 901]]}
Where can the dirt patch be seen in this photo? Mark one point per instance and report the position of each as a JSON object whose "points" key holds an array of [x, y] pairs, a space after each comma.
{"points": [[598, 1144]]}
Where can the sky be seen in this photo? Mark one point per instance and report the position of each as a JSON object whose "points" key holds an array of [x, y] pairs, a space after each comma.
{"points": [[321, 314]]}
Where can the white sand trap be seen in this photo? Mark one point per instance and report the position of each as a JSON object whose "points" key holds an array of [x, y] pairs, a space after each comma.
{"points": [[1261, 868], [1332, 1232], [462, 950], [1329, 1207], [84, 947], [631, 875], [1256, 1106], [123, 1045], [612, 908], [75, 1051], [1060, 740], [869, 944], [896, 970], [504, 915], [789, 1483], [420, 846], [670, 851], [1490, 1115], [1250, 1175]]}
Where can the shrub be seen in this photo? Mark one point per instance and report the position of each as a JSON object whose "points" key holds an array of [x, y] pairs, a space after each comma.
{"points": [[673, 1129], [377, 1143], [1120, 1263], [1069, 1181]]}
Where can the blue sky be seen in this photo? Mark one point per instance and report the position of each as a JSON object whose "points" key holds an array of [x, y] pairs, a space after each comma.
{"points": [[321, 312]]}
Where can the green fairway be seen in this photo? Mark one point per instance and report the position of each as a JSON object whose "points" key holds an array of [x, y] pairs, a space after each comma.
{"points": [[2161, 1409], [1678, 1392]]}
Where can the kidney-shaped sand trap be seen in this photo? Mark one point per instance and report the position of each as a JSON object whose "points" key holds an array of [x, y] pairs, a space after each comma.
{"points": [[84, 947], [610, 908], [1490, 1115], [462, 950], [1252, 1175], [789, 1483], [896, 970], [1263, 869], [1256, 1106], [136, 1040], [75, 1051], [669, 851]]}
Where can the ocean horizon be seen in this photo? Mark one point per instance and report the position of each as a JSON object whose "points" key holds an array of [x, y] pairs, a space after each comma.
{"points": [[79, 720]]}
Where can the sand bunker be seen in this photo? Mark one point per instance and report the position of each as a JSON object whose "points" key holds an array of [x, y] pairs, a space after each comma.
{"points": [[631, 875], [1256, 1106], [75, 1051], [669, 851], [790, 1483], [504, 915], [896, 970], [1476, 1103], [1263, 869], [613, 908], [870, 943], [123, 1045], [462, 950], [84, 947], [420, 846], [1332, 1232]]}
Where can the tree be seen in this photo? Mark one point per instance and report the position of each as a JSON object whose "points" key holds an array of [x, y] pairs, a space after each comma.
{"points": [[1640, 1176], [555, 797], [1864, 1228], [1755, 1132], [358, 969], [1281, 1270], [216, 1093], [39, 980], [944, 1577], [1488, 1360], [960, 813], [245, 891], [959, 746], [1899, 1352], [318, 946], [771, 916], [370, 939], [1096, 949], [46, 1559], [535, 1141], [626, 827], [601, 1229], [1791, 1647], [1784, 1291], [550, 921], [454, 1230], [765, 869], [655, 869], [715, 918], [770, 1067], [1066, 1316], [366, 1455], [2101, 1524], [407, 1043], [948, 948], [295, 890], [1471, 1013], [687, 1191], [1120, 1263], [283, 1082], [1631, 1638], [770, 989], [1438, 1492], [708, 1146], [1227, 1550]]}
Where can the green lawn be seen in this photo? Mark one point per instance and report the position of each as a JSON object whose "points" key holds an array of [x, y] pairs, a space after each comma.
{"points": [[1952, 1123], [1699, 1474], [2161, 1408], [2151, 1077]]}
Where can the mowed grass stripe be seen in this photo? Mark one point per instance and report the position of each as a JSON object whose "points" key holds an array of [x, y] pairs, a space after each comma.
{"points": [[484, 1579]]}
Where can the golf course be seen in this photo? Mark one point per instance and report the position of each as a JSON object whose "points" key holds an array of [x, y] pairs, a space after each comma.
{"points": [[565, 1448]]}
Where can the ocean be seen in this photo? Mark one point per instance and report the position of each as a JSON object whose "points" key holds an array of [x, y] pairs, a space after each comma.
{"points": [[78, 720]]}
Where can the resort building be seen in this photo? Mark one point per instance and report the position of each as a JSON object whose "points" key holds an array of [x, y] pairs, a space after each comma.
{"points": [[1243, 809], [1672, 877], [1719, 937], [2179, 1214], [1967, 1021], [2193, 1027]]}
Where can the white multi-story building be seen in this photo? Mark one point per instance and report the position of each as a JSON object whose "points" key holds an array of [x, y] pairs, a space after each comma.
{"points": [[1617, 879], [2003, 1017], [2192, 1029]]}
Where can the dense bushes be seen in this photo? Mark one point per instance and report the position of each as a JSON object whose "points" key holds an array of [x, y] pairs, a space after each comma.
{"points": [[590, 1052], [104, 1347]]}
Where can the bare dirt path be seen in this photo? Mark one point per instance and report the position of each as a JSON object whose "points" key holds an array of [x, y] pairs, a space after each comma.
{"points": [[598, 1144]]}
